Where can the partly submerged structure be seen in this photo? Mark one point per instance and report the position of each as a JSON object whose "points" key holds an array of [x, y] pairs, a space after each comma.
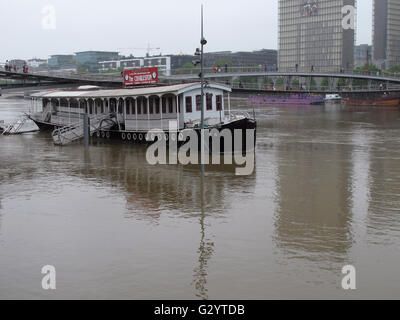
{"points": [[129, 114]]}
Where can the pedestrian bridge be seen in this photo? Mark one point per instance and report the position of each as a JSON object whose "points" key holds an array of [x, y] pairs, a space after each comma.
{"points": [[233, 72], [226, 75]]}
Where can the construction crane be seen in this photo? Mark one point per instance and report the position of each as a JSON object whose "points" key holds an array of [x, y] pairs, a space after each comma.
{"points": [[148, 49]]}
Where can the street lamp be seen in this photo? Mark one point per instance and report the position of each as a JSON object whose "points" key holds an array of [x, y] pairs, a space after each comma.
{"points": [[203, 42]]}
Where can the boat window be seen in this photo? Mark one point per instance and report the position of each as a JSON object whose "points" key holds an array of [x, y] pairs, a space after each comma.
{"points": [[164, 105], [209, 101], [157, 102], [188, 101], [170, 105], [219, 102], [128, 107], [198, 103], [139, 106], [144, 106], [151, 106]]}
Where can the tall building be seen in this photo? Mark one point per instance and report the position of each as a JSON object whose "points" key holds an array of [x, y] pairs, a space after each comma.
{"points": [[362, 55], [312, 37], [386, 33]]}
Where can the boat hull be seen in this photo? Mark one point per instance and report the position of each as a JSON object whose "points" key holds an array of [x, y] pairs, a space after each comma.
{"points": [[139, 137]]}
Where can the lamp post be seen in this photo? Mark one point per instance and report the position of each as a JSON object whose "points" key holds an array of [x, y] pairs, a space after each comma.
{"points": [[200, 52]]}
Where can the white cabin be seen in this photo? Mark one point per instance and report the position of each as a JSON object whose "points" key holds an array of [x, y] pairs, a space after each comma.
{"points": [[136, 109]]}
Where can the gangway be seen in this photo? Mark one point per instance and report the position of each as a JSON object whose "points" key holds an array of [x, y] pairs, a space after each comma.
{"points": [[71, 133], [15, 127]]}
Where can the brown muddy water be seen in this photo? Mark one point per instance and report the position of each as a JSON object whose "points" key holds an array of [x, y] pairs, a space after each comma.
{"points": [[325, 193]]}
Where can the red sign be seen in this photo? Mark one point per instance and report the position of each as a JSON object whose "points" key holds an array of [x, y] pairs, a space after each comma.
{"points": [[141, 76]]}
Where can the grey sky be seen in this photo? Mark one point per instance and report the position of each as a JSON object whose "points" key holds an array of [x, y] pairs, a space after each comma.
{"points": [[172, 25]]}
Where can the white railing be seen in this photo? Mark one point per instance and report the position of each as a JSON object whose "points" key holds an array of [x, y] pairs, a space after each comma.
{"points": [[68, 134]]}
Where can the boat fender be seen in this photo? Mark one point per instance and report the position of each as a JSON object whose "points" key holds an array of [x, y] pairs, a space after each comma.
{"points": [[173, 137], [140, 137], [166, 137], [134, 136], [128, 136], [159, 136], [98, 134], [108, 135], [103, 134], [123, 136]]}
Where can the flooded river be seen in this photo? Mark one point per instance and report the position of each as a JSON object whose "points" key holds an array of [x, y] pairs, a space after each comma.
{"points": [[325, 193]]}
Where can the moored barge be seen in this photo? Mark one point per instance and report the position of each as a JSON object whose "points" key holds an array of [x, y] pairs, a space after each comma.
{"points": [[129, 114]]}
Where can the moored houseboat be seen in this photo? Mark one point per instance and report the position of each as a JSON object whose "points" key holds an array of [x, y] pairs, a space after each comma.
{"points": [[129, 114]]}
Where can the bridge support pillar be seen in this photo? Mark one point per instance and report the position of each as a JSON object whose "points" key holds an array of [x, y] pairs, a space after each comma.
{"points": [[260, 82]]}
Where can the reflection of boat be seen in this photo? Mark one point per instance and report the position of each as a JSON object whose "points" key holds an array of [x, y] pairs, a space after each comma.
{"points": [[303, 99], [333, 98], [379, 100], [2, 126]]}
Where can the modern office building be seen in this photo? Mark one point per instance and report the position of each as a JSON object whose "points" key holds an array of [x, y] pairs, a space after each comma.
{"points": [[264, 58], [386, 33], [312, 37], [90, 59], [163, 63], [362, 55], [60, 60]]}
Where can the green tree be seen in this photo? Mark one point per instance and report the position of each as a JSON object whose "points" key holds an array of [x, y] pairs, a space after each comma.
{"points": [[325, 83]]}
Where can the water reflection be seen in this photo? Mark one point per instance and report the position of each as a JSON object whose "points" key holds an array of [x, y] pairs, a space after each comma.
{"points": [[313, 218], [206, 249]]}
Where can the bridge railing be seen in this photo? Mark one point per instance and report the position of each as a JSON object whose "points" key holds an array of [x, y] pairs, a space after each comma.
{"points": [[257, 87], [264, 69]]}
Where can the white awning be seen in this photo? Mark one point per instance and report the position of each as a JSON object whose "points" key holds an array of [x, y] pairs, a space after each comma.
{"points": [[136, 92]]}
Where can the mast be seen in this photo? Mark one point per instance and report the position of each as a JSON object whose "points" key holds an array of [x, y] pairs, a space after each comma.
{"points": [[203, 42]]}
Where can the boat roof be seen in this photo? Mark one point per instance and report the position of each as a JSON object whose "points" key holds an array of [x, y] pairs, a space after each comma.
{"points": [[129, 92]]}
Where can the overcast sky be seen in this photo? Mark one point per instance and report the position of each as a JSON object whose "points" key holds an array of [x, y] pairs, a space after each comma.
{"points": [[172, 25]]}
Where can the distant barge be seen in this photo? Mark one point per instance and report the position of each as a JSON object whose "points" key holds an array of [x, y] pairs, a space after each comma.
{"points": [[378, 100]]}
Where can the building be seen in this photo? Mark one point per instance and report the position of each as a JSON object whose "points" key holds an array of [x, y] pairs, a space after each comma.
{"points": [[265, 58], [36, 63], [163, 63], [91, 59], [386, 33], [59, 61], [362, 55], [311, 36]]}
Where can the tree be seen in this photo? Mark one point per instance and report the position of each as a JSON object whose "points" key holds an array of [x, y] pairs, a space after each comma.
{"points": [[325, 83], [395, 69], [222, 62]]}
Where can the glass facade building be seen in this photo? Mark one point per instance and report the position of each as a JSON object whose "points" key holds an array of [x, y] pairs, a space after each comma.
{"points": [[386, 33], [312, 38]]}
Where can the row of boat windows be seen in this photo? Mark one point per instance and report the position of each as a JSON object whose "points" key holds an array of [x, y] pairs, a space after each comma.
{"points": [[209, 103], [139, 106]]}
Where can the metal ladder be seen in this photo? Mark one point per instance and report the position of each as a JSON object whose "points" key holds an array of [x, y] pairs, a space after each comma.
{"points": [[69, 134], [15, 127]]}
